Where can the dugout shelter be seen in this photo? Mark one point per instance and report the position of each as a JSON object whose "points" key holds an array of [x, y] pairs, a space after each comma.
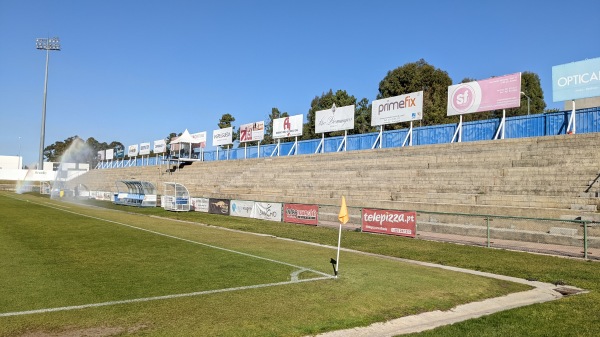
{"points": [[176, 198], [135, 193]]}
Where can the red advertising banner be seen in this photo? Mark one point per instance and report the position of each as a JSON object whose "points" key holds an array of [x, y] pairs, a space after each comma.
{"points": [[300, 213], [389, 222]]}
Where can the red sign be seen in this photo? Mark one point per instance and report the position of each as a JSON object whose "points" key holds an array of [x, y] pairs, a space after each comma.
{"points": [[389, 222], [302, 214]]}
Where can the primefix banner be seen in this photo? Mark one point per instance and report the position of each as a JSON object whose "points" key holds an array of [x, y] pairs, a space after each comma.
{"points": [[241, 208], [252, 132], [288, 126], [301, 214], [334, 119], [160, 146], [132, 151], [222, 136], [199, 204], [144, 149], [501, 92], [576, 80], [403, 108], [110, 153], [267, 211], [389, 222]]}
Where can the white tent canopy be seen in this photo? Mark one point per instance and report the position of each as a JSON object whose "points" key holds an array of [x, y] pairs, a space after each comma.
{"points": [[185, 138]]}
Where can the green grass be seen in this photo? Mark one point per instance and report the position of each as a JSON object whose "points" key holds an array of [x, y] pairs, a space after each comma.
{"points": [[135, 263]]}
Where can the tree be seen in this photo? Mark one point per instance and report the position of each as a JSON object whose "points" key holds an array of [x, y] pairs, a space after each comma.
{"points": [[324, 102], [275, 114], [225, 122], [530, 86], [417, 76], [53, 152], [362, 117]]}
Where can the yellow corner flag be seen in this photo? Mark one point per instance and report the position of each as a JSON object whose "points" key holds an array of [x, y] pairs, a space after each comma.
{"points": [[343, 216]]}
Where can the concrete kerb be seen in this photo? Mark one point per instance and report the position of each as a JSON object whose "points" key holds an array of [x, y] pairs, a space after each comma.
{"points": [[542, 292]]}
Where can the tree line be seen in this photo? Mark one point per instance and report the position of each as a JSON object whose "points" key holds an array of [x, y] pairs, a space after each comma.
{"points": [[411, 77]]}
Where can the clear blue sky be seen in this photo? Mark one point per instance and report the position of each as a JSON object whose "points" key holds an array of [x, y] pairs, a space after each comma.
{"points": [[135, 71]]}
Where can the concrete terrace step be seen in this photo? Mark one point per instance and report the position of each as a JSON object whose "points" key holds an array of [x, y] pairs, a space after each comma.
{"points": [[515, 176]]}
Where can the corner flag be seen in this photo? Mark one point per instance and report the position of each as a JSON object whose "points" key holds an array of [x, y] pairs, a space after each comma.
{"points": [[343, 216]]}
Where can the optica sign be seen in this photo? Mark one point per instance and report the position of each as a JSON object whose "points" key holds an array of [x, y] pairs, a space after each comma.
{"points": [[576, 80], [389, 222]]}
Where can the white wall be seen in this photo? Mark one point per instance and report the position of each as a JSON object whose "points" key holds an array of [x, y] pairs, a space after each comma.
{"points": [[10, 162]]}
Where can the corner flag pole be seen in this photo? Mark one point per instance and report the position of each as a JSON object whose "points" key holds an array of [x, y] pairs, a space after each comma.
{"points": [[343, 217]]}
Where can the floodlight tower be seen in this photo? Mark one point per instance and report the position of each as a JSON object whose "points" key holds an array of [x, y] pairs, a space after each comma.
{"points": [[46, 44]]}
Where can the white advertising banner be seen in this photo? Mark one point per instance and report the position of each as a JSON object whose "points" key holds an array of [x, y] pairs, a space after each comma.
{"points": [[110, 154], [403, 108], [199, 204], [252, 132], [132, 151], [199, 137], [101, 155], [160, 146], [334, 119], [144, 149], [241, 208], [222, 136], [496, 93], [267, 211], [288, 126]]}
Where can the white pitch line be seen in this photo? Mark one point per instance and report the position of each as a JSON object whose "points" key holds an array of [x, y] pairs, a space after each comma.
{"points": [[294, 275], [186, 240], [156, 298]]}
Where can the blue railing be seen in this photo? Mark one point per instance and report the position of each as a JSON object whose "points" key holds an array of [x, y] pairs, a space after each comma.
{"points": [[546, 124]]}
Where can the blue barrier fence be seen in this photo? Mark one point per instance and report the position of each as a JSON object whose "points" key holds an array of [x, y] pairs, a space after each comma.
{"points": [[546, 124]]}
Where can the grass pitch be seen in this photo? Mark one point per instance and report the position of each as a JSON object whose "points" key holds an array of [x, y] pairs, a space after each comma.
{"points": [[70, 269]]}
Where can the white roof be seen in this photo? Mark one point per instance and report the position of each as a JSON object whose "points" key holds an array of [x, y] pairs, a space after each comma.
{"points": [[185, 138]]}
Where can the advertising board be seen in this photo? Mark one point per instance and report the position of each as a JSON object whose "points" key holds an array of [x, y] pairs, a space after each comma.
{"points": [[576, 80], [160, 146], [334, 119], [495, 93], [222, 136], [403, 108], [288, 126], [218, 206], [242, 208], [389, 222], [267, 211], [199, 204], [144, 149], [132, 151], [301, 214], [252, 132]]}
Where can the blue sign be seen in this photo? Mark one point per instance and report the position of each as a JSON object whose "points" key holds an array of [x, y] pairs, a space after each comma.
{"points": [[119, 151], [576, 80]]}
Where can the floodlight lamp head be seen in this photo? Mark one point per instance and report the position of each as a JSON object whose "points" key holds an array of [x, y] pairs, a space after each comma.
{"points": [[48, 44]]}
